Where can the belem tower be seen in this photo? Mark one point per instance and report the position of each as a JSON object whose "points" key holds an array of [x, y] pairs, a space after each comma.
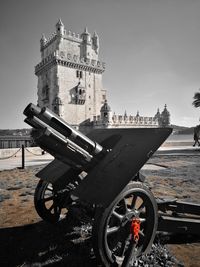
{"points": [[70, 83]]}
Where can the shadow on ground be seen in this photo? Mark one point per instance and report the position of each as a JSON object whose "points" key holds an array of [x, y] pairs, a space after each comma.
{"points": [[170, 238], [43, 244]]}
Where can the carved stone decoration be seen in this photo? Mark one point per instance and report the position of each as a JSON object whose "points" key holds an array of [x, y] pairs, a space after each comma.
{"points": [[69, 56], [75, 58], [78, 95], [62, 54]]}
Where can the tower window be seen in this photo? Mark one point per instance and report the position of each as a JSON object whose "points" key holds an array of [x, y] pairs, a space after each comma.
{"points": [[79, 74], [45, 93]]}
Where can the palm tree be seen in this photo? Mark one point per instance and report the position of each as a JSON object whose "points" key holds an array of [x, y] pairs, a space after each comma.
{"points": [[196, 101]]}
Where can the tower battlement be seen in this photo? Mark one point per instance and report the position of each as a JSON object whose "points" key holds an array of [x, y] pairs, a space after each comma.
{"points": [[89, 45], [67, 35], [70, 49]]}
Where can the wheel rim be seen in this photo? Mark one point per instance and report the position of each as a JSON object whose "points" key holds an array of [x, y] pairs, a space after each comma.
{"points": [[50, 201], [46, 203], [135, 205]]}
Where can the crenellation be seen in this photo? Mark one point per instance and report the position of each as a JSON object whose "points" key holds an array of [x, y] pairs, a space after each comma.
{"points": [[48, 42], [119, 121]]}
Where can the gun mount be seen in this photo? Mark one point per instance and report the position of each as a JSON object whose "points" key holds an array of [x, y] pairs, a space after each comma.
{"points": [[100, 171]]}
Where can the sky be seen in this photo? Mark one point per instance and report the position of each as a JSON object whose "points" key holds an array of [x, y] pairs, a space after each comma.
{"points": [[151, 49]]}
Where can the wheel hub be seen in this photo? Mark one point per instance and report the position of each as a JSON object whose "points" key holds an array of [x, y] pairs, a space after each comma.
{"points": [[128, 217]]}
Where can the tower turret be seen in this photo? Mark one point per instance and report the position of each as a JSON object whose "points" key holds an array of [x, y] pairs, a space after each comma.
{"points": [[86, 44], [60, 28], [106, 112], [86, 36], [95, 42], [165, 117], [125, 116], [43, 41], [157, 114], [158, 117]]}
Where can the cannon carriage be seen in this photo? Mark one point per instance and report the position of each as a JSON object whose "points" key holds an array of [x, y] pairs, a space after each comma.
{"points": [[101, 172]]}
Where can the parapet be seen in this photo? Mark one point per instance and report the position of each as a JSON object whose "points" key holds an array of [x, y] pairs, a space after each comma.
{"points": [[61, 32]]}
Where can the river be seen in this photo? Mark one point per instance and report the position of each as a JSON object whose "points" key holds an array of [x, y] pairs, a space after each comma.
{"points": [[180, 137]]}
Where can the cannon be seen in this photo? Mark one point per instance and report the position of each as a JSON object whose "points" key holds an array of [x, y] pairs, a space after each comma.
{"points": [[100, 172]]}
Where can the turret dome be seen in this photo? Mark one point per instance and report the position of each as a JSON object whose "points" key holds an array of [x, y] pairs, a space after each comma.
{"points": [[105, 107]]}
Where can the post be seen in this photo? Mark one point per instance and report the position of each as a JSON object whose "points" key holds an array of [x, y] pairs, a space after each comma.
{"points": [[23, 157]]}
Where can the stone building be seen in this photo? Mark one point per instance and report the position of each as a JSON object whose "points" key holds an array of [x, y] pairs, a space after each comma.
{"points": [[70, 75], [11, 141], [108, 119], [70, 83]]}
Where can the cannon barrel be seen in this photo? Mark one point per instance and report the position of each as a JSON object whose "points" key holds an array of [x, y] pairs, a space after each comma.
{"points": [[57, 145], [32, 110], [57, 123]]}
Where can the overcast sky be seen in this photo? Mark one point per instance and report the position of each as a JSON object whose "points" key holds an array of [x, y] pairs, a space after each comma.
{"points": [[151, 49]]}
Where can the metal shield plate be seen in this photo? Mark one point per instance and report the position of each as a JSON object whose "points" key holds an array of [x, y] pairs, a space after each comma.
{"points": [[107, 179]]}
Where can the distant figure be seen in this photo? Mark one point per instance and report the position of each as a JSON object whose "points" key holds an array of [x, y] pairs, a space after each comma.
{"points": [[196, 135]]}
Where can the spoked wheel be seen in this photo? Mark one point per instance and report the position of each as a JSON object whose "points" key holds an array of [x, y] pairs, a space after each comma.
{"points": [[127, 228], [47, 202]]}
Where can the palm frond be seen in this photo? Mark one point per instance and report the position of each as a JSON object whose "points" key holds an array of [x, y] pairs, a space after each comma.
{"points": [[196, 101]]}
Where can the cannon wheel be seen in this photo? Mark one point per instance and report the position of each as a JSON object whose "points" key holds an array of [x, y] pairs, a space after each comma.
{"points": [[45, 201], [112, 231]]}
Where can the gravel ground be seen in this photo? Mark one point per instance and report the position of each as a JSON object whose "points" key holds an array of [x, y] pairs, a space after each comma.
{"points": [[25, 240]]}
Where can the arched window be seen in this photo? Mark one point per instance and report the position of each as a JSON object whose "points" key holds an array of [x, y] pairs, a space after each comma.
{"points": [[45, 92]]}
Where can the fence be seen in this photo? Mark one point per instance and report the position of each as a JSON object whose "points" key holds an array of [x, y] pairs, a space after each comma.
{"points": [[15, 154]]}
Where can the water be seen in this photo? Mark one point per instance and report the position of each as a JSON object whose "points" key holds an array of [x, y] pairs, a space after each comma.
{"points": [[180, 137]]}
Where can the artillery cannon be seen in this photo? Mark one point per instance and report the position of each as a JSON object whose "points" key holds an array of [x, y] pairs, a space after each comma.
{"points": [[100, 171]]}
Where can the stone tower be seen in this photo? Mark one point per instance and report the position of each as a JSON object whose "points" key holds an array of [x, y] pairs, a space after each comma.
{"points": [[106, 113], [70, 75], [165, 117]]}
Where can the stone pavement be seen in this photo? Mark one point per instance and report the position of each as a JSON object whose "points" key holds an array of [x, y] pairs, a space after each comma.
{"points": [[181, 150]]}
